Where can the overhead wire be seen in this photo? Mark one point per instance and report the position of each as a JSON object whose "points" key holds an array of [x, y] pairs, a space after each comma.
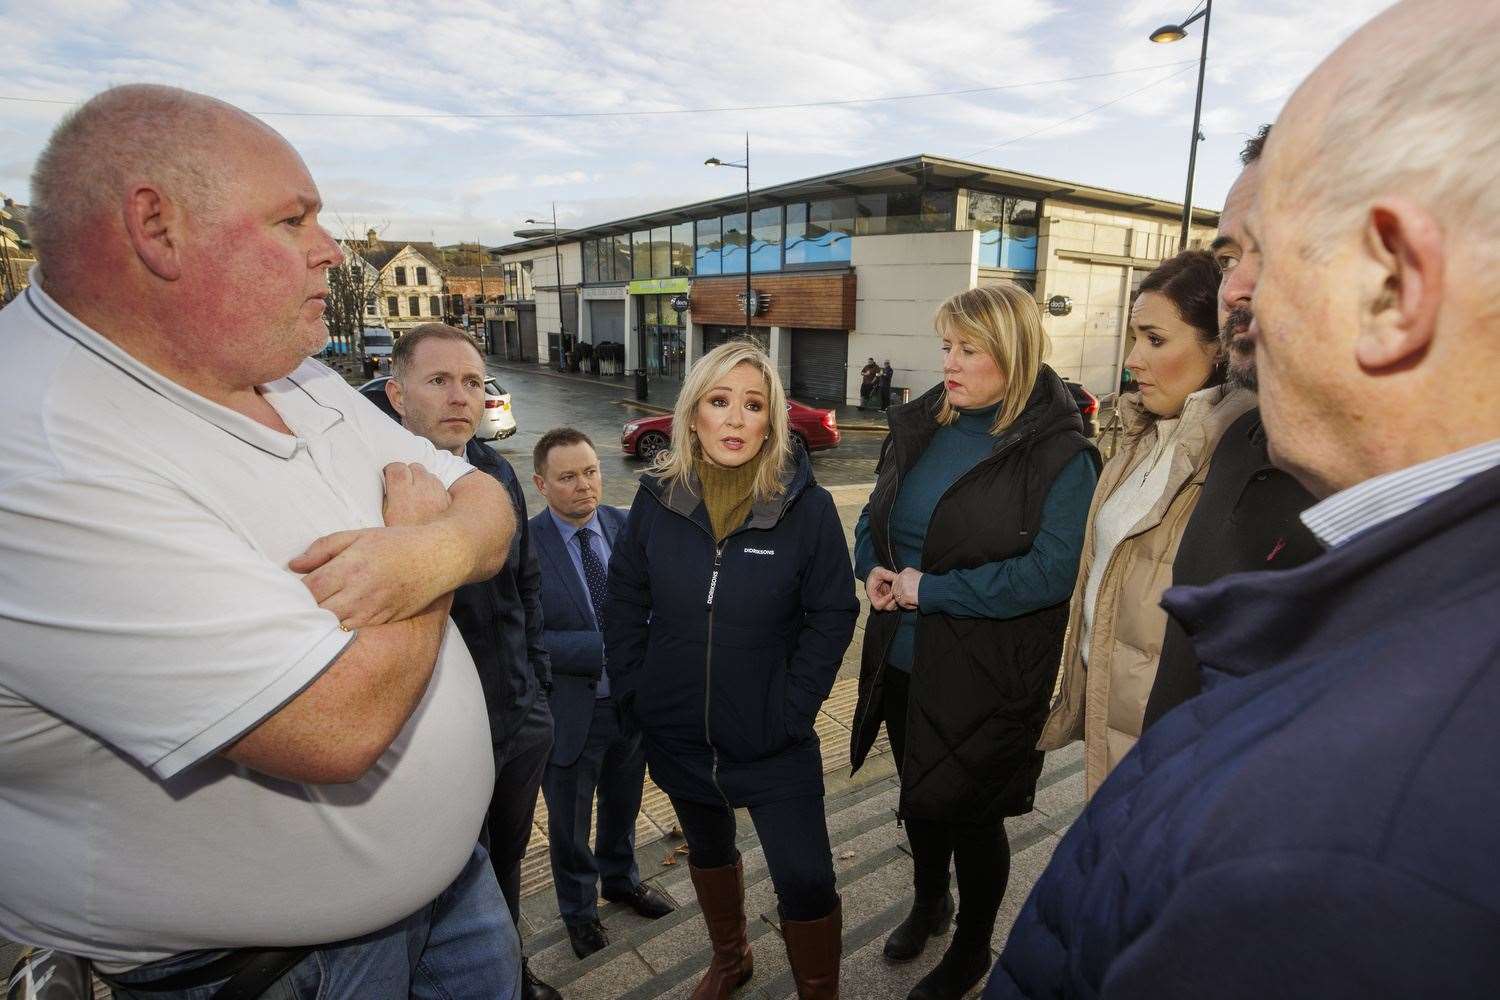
{"points": [[1082, 114]]}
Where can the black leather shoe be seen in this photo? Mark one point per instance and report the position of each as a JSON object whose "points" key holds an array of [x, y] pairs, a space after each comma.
{"points": [[587, 938], [643, 900], [927, 917], [533, 988], [962, 967]]}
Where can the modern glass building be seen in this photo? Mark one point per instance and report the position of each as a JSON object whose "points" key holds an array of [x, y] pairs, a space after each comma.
{"points": [[852, 265]]}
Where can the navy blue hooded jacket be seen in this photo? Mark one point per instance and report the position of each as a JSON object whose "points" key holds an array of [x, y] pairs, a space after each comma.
{"points": [[722, 655], [1324, 821]]}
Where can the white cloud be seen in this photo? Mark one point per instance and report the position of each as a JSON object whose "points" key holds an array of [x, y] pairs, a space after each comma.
{"points": [[462, 178]]}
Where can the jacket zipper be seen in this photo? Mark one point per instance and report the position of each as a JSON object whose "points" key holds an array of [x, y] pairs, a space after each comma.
{"points": [[708, 673]]}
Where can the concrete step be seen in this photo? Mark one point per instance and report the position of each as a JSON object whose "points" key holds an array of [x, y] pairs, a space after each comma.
{"points": [[664, 958]]}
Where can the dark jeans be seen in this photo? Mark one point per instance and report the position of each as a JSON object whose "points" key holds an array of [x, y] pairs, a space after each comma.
{"points": [[613, 766], [979, 852], [794, 835], [461, 945], [519, 764]]}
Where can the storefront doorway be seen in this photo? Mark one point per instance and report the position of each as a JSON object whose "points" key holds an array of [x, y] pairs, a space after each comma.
{"points": [[663, 336]]}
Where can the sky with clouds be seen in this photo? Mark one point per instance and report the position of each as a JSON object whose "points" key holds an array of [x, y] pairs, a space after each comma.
{"points": [[361, 90]]}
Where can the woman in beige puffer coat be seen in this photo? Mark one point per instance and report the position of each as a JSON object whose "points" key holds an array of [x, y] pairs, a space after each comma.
{"points": [[1145, 496]]}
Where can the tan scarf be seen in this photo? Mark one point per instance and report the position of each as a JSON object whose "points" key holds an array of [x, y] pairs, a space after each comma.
{"points": [[727, 493]]}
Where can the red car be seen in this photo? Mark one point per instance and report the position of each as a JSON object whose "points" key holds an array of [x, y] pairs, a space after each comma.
{"points": [[812, 430]]}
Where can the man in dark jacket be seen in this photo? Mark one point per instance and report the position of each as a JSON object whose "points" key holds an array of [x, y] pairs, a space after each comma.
{"points": [[437, 388], [591, 755], [1320, 822], [887, 373], [1246, 517]]}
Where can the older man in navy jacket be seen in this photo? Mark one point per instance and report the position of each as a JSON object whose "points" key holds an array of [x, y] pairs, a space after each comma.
{"points": [[1322, 821], [574, 537]]}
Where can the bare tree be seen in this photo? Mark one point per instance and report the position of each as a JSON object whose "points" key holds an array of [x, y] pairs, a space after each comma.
{"points": [[352, 290]]}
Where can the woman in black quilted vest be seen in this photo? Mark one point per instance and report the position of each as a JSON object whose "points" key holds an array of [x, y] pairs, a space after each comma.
{"points": [[969, 547]]}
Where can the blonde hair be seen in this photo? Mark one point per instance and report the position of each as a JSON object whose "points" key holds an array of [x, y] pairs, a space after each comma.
{"points": [[1003, 321], [675, 464]]}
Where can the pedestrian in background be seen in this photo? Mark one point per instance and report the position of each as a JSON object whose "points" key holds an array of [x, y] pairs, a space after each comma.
{"points": [[969, 546], [887, 373], [731, 604], [1146, 494], [869, 377], [1320, 822]]}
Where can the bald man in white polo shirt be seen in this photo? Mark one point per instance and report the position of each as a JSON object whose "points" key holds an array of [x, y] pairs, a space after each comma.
{"points": [[240, 739]]}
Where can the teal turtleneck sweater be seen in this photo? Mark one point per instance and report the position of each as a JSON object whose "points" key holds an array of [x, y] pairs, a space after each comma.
{"points": [[1039, 578]]}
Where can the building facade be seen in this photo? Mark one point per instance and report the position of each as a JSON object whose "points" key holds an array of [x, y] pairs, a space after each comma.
{"points": [[411, 281], [853, 265]]}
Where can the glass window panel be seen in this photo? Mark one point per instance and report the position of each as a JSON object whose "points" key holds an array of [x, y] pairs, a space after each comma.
{"points": [[640, 254], [661, 252], [938, 209], [649, 306], [734, 244], [765, 239], [796, 234], [682, 249], [830, 224], [590, 262], [987, 215], [706, 256], [870, 211], [1018, 242], [621, 269]]}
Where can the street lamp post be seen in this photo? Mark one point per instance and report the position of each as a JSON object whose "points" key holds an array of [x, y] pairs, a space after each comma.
{"points": [[714, 161], [562, 362], [1173, 33]]}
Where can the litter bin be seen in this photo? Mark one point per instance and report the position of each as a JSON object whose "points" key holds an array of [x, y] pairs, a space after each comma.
{"points": [[640, 384]]}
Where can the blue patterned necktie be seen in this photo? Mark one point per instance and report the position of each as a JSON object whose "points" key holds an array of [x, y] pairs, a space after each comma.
{"points": [[593, 574]]}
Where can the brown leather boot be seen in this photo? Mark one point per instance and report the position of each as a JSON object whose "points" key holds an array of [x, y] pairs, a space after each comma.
{"points": [[721, 896], [814, 947]]}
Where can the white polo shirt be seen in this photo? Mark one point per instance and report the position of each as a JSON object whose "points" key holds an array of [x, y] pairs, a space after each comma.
{"points": [[147, 619]]}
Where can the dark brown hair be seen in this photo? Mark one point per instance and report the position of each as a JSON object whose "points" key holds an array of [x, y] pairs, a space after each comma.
{"points": [[407, 343], [557, 437], [1190, 281]]}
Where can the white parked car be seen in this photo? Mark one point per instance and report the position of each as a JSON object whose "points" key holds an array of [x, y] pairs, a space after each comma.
{"points": [[497, 423]]}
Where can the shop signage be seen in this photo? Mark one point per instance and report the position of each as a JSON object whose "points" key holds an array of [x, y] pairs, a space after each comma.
{"points": [[759, 302], [658, 286], [1059, 305], [681, 303], [604, 292]]}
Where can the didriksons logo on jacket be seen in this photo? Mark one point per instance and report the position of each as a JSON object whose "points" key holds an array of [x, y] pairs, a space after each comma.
{"points": [[758, 552]]}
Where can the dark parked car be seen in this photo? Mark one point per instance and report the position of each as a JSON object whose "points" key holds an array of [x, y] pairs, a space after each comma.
{"points": [[812, 430], [1088, 406]]}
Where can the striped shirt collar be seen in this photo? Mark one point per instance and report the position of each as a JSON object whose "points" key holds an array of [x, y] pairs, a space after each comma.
{"points": [[1373, 502]]}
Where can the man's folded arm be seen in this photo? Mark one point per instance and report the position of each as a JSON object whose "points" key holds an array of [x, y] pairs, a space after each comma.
{"points": [[168, 635], [336, 729]]}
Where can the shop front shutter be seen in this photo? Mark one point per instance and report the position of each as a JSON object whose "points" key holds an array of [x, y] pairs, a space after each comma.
{"points": [[820, 361], [606, 322]]}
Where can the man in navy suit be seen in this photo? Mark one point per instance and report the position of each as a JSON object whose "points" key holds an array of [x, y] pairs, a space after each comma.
{"points": [[590, 753]]}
